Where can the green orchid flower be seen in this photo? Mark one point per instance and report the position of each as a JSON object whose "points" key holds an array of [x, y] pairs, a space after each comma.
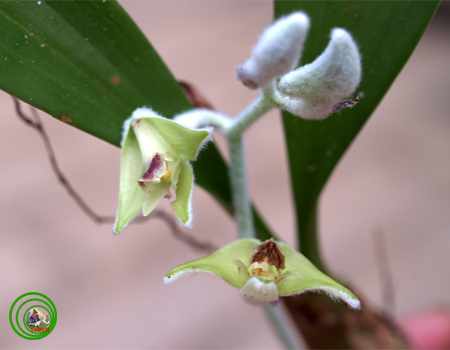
{"points": [[265, 271], [155, 157]]}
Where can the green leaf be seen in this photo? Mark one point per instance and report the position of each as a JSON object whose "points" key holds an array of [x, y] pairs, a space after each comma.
{"points": [[88, 64], [87, 61], [386, 33]]}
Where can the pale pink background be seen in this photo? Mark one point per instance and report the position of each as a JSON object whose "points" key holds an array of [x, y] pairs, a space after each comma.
{"points": [[108, 290]]}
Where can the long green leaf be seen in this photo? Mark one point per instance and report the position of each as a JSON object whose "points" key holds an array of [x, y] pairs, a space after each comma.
{"points": [[88, 64], [386, 33]]}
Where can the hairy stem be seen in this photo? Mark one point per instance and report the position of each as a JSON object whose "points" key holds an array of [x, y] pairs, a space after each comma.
{"points": [[253, 112], [238, 178], [238, 171]]}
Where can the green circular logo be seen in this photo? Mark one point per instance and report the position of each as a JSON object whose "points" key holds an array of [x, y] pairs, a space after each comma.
{"points": [[33, 316]]}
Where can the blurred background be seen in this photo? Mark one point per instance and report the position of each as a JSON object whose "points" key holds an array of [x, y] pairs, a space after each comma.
{"points": [[108, 289]]}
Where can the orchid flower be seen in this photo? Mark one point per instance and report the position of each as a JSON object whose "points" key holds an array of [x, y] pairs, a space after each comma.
{"points": [[155, 158], [265, 271]]}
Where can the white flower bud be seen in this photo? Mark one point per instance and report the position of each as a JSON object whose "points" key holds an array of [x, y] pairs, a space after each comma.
{"points": [[313, 90], [277, 51]]}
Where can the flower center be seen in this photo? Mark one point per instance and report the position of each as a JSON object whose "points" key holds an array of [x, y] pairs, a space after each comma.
{"points": [[158, 170], [263, 271], [155, 165]]}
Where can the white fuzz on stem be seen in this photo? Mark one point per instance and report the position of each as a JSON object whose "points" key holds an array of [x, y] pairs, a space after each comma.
{"points": [[313, 90], [277, 51]]}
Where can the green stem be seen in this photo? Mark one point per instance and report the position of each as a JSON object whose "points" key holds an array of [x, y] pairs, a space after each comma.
{"points": [[278, 321], [253, 112], [238, 171], [238, 178]]}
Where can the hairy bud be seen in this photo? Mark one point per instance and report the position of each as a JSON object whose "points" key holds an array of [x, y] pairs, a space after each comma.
{"points": [[312, 91], [277, 51]]}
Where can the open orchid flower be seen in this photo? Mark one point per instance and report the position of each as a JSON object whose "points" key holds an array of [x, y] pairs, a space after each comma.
{"points": [[265, 271], [155, 157]]}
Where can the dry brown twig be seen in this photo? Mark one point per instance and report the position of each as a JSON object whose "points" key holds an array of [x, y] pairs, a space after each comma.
{"points": [[36, 124]]}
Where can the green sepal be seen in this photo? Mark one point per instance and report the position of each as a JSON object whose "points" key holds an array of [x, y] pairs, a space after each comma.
{"points": [[185, 142], [131, 196], [182, 205], [219, 263], [311, 278]]}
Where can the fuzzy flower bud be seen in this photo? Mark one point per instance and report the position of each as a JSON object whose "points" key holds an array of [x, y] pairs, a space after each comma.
{"points": [[314, 90], [277, 51]]}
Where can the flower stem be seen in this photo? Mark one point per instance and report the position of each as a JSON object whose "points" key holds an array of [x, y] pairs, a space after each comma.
{"points": [[199, 118], [238, 171], [253, 112], [238, 178], [279, 324]]}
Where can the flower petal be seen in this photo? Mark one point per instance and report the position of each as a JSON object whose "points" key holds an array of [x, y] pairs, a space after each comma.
{"points": [[183, 141], [131, 196], [259, 292], [182, 205], [220, 263], [157, 193], [150, 141], [311, 279]]}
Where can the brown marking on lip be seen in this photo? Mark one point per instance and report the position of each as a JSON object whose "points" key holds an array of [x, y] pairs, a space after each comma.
{"points": [[269, 252]]}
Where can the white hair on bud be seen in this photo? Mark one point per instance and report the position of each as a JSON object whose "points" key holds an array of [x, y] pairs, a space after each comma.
{"points": [[313, 90], [257, 292], [277, 51]]}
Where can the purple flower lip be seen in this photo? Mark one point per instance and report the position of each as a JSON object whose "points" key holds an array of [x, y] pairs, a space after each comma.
{"points": [[155, 165]]}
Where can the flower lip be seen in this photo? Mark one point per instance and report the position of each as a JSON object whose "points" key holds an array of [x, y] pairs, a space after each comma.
{"points": [[155, 165], [270, 253]]}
